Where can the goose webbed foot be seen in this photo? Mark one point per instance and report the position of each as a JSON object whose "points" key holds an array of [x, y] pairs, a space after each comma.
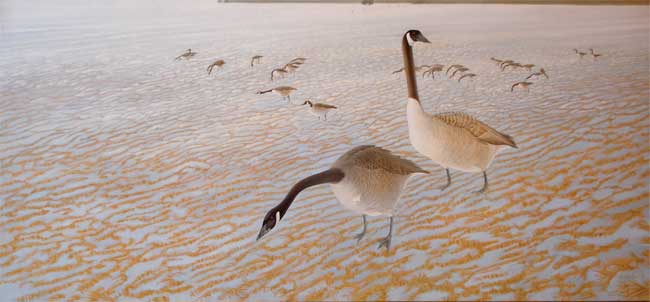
{"points": [[385, 242], [485, 184], [448, 181], [363, 232]]}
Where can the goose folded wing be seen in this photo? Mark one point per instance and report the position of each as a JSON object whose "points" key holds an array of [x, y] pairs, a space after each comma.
{"points": [[478, 129], [373, 158]]}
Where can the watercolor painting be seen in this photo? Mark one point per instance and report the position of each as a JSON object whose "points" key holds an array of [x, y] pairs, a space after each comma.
{"points": [[324, 151]]}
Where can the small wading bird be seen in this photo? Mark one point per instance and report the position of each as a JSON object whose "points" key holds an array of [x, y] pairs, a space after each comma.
{"points": [[432, 70], [496, 61], [506, 62], [454, 140], [528, 67], [217, 63], [514, 65], [579, 53], [538, 74], [187, 55], [593, 54], [455, 66], [284, 91], [467, 75], [278, 71], [290, 67], [256, 59], [459, 69], [319, 109], [524, 85], [367, 180]]}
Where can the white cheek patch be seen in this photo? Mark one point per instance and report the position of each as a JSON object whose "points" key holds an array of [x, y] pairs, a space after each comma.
{"points": [[277, 216]]}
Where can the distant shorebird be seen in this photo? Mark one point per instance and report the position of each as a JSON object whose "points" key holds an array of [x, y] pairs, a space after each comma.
{"points": [[497, 61], [514, 65], [528, 67], [455, 66], [579, 53], [367, 180], [291, 67], [461, 69], [187, 55], [217, 63], [593, 54], [319, 109], [537, 74], [299, 59], [284, 91], [453, 140], [524, 85], [506, 62], [433, 69], [256, 59], [279, 71], [467, 75]]}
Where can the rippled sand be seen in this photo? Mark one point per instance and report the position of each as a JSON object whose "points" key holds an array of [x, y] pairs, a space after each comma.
{"points": [[128, 176]]}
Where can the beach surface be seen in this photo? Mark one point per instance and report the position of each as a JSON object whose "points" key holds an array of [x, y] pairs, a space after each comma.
{"points": [[126, 175]]}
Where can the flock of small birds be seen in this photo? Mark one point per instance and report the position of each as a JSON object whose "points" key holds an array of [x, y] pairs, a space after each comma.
{"points": [[321, 109]]}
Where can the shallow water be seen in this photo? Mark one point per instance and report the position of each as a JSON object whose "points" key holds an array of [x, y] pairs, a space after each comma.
{"points": [[128, 175]]}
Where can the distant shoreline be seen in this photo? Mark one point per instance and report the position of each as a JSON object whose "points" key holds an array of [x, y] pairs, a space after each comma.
{"points": [[526, 2]]}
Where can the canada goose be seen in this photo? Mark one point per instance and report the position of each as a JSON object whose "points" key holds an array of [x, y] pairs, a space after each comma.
{"points": [[256, 58], [319, 109], [579, 53], [432, 70], [454, 140], [187, 55], [537, 74], [217, 63], [279, 71], [367, 180], [284, 91], [497, 61], [594, 55], [453, 67], [467, 75], [461, 69], [528, 67], [525, 85]]}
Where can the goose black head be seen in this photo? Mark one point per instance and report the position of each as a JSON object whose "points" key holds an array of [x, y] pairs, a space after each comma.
{"points": [[416, 36], [270, 221]]}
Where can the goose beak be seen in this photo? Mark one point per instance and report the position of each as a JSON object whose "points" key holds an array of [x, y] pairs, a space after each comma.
{"points": [[417, 36], [263, 232]]}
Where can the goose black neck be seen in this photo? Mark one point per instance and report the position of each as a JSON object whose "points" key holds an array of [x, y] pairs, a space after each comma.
{"points": [[328, 176], [407, 53]]}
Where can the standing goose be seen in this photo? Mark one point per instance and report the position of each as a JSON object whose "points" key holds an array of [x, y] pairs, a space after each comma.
{"points": [[284, 91], [319, 109], [217, 63], [367, 180], [256, 58], [187, 55], [541, 72], [454, 140]]}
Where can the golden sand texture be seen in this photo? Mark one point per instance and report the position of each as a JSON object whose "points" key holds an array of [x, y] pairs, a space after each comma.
{"points": [[128, 176]]}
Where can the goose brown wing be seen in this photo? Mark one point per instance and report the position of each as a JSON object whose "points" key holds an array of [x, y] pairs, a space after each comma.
{"points": [[374, 158], [478, 129]]}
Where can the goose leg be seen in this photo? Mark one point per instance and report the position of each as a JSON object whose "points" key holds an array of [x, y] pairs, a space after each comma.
{"points": [[386, 241], [363, 232], [448, 181], [485, 184]]}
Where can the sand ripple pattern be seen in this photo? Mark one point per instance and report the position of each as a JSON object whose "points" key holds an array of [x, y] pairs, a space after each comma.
{"points": [[127, 176]]}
